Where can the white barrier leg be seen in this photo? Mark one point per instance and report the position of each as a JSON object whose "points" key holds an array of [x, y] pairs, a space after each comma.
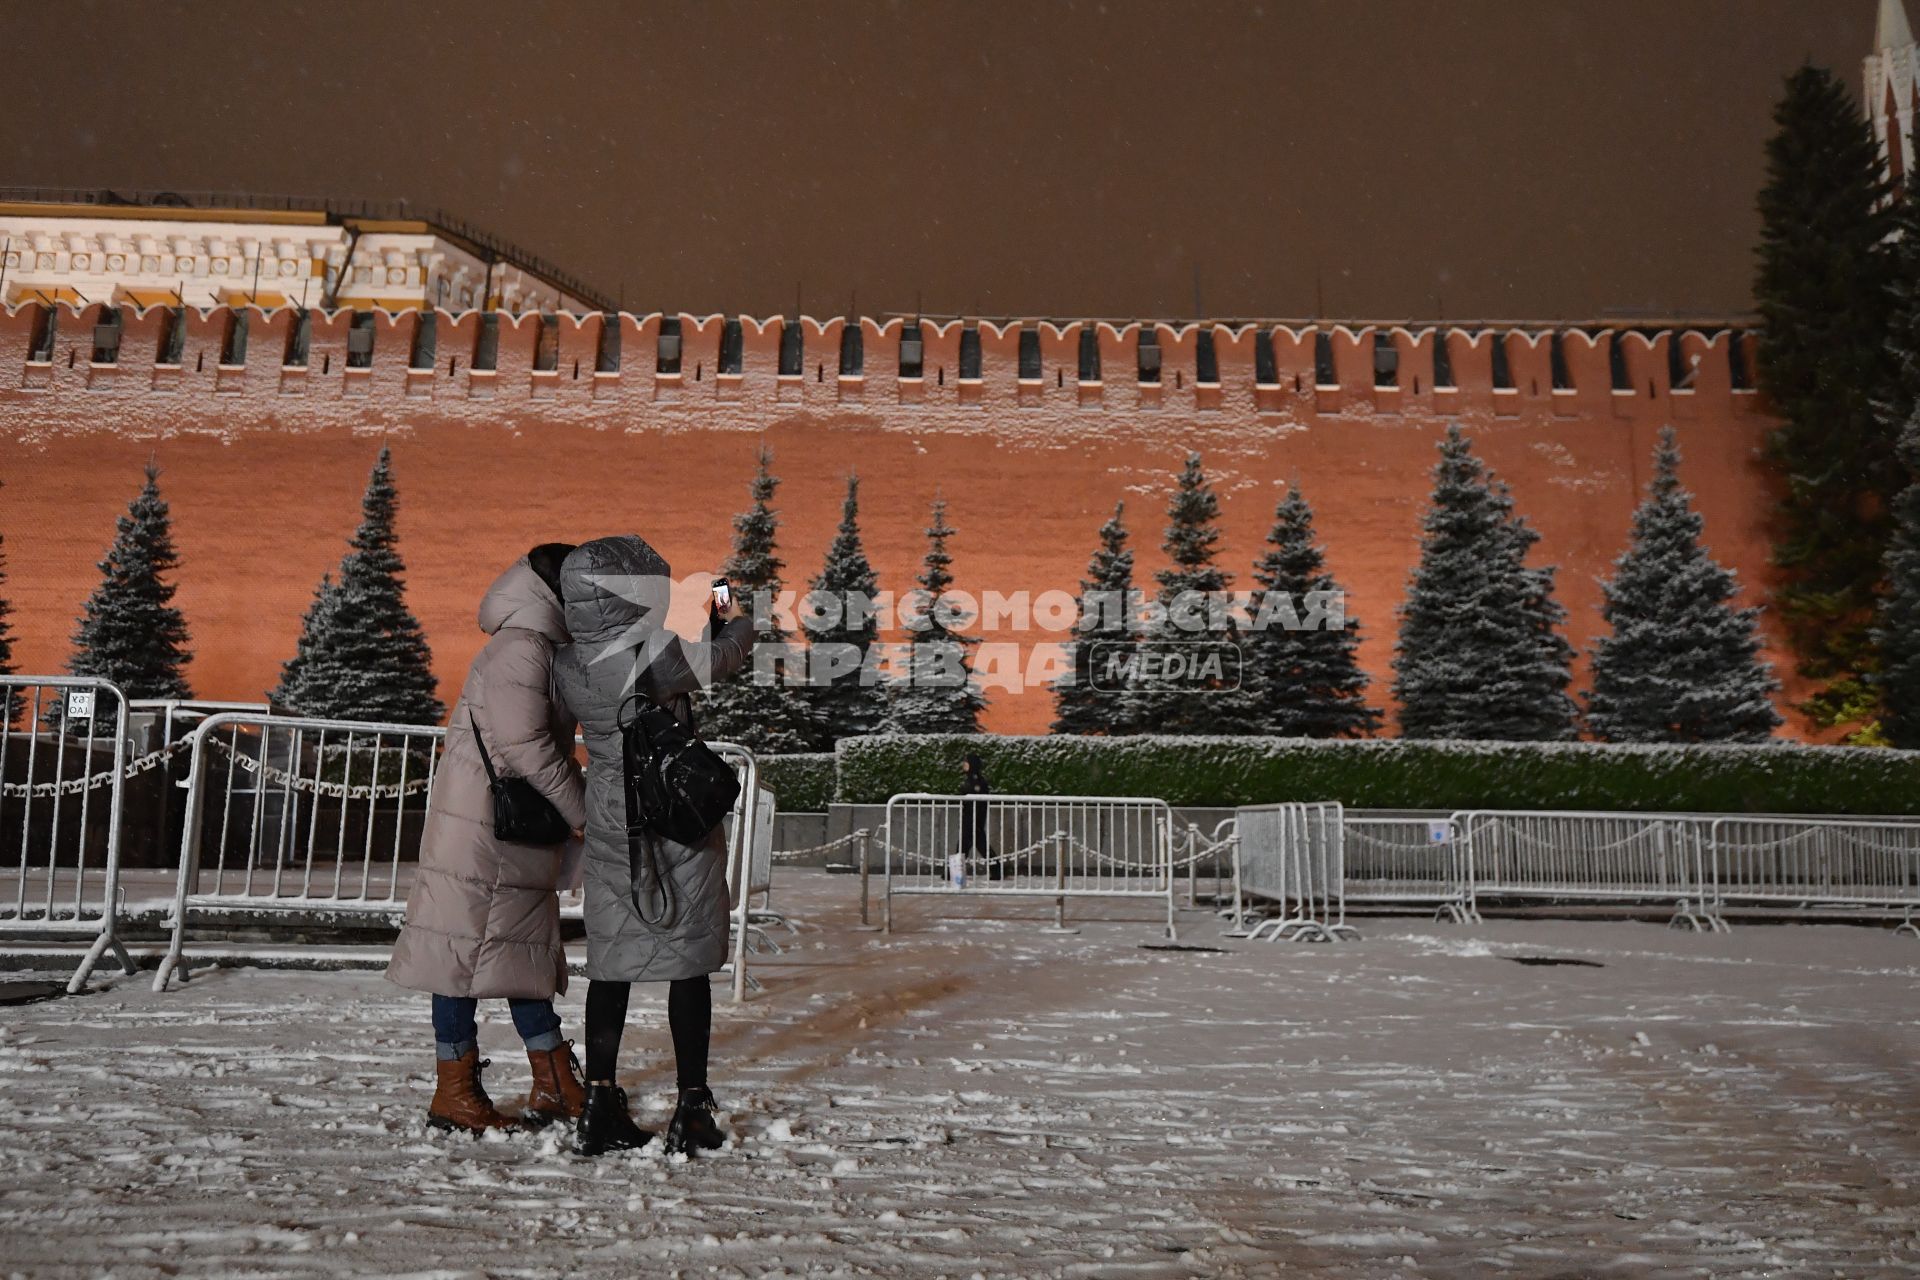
{"points": [[1059, 925], [1173, 930], [862, 838], [886, 898], [864, 881], [78, 982], [1240, 927], [1685, 915], [175, 959]]}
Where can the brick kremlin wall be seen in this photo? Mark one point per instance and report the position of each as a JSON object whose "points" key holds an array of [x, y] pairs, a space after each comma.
{"points": [[264, 464]]}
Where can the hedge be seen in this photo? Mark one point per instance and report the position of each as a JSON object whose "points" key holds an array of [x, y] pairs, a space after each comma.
{"points": [[800, 783], [1396, 773]]}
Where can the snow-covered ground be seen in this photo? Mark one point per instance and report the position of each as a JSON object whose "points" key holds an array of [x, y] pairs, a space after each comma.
{"points": [[976, 1097]]}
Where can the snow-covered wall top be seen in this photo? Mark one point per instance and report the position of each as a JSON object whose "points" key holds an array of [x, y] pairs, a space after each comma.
{"points": [[472, 363]]}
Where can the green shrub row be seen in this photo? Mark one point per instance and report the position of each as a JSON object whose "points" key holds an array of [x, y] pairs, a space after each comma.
{"points": [[1372, 773], [800, 783]]}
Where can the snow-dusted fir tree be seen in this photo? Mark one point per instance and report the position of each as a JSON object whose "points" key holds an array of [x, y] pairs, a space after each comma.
{"points": [[938, 693], [852, 700], [1896, 631], [1821, 292], [1193, 585], [1682, 663], [1304, 680], [130, 631], [1480, 653], [1105, 625], [1556, 714], [764, 715], [362, 654]]}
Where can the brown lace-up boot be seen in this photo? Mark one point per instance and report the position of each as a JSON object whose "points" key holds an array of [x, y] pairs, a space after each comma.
{"points": [[460, 1101], [557, 1092]]}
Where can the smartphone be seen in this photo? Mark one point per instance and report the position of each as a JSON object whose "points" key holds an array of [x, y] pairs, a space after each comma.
{"points": [[722, 594]]}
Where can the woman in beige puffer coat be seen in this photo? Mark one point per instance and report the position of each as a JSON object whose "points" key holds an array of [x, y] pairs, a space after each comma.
{"points": [[483, 918]]}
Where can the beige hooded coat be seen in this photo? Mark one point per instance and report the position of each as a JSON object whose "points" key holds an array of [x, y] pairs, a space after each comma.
{"points": [[483, 919]]}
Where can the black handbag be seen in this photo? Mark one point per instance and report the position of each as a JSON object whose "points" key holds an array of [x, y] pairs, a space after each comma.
{"points": [[521, 815]]}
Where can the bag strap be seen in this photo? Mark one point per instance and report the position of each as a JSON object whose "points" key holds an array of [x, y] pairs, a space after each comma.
{"points": [[642, 843], [628, 783], [493, 779]]}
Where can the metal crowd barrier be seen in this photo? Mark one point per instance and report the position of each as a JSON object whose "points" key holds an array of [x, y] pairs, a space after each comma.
{"points": [[167, 722], [1700, 863], [1816, 862], [1006, 846], [1405, 861], [760, 869], [299, 817], [177, 717], [320, 820], [1292, 855], [1599, 857], [743, 837], [63, 765]]}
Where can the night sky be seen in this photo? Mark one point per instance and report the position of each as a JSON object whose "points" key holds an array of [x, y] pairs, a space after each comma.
{"points": [[1522, 159]]}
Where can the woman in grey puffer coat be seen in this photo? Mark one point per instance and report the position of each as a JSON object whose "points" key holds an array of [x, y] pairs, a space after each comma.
{"points": [[615, 592]]}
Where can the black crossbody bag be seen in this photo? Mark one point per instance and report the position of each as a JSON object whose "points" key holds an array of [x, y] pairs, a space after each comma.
{"points": [[521, 814]]}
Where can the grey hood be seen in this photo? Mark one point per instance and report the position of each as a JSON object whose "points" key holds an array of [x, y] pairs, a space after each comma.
{"points": [[616, 590]]}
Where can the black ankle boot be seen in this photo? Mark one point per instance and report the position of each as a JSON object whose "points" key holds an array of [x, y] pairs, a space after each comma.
{"points": [[606, 1125], [693, 1124]]}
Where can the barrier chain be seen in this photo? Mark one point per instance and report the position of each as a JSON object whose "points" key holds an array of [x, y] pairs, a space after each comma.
{"points": [[314, 786], [1200, 846], [1086, 850], [1651, 832], [74, 786], [938, 860], [795, 855], [1847, 841]]}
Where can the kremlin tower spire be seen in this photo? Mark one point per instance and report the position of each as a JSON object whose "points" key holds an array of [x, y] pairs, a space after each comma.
{"points": [[1892, 93]]}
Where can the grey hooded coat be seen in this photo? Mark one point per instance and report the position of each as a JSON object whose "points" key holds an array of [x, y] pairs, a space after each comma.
{"points": [[482, 918], [616, 592]]}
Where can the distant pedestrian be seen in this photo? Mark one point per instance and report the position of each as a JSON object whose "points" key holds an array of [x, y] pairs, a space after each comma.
{"points": [[974, 848]]}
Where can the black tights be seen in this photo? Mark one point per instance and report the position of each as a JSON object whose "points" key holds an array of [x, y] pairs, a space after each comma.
{"points": [[689, 1017]]}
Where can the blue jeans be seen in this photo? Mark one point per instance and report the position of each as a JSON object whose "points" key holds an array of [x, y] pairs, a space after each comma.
{"points": [[456, 1034]]}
